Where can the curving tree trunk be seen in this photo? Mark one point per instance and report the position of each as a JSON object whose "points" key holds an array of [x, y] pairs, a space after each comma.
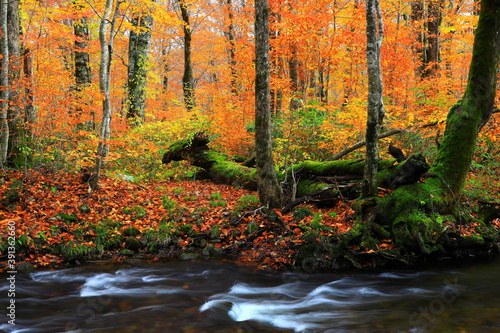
{"points": [[472, 112], [415, 215]]}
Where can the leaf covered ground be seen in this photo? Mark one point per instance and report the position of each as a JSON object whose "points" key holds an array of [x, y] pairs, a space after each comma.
{"points": [[57, 221]]}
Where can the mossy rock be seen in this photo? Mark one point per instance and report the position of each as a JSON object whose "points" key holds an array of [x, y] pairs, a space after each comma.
{"points": [[215, 233], [188, 256], [126, 252], [131, 232], [132, 244], [85, 209], [25, 267]]}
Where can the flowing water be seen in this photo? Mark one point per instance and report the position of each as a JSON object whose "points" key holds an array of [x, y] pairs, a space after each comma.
{"points": [[229, 297]]}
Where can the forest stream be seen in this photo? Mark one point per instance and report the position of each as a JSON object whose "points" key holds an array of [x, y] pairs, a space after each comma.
{"points": [[223, 296]]}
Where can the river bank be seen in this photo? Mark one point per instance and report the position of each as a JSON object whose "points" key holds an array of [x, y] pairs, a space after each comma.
{"points": [[58, 222]]}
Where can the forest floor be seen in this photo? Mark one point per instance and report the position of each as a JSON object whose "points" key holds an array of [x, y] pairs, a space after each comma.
{"points": [[57, 221]]}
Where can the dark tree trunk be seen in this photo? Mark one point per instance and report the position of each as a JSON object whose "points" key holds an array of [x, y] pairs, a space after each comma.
{"points": [[427, 19], [28, 99], [232, 46], [83, 74], [267, 183], [137, 67], [187, 78], [432, 55]]}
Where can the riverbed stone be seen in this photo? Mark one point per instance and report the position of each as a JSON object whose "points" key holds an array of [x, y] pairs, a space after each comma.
{"points": [[188, 256], [25, 267], [132, 244]]}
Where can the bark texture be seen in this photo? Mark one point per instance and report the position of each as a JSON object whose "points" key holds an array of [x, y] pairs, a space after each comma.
{"points": [[187, 77], [4, 83], [467, 117], [137, 66], [16, 155], [416, 215], [106, 34], [374, 34], [268, 188]]}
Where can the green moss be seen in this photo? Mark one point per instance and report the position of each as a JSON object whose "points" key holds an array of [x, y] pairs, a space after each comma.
{"points": [[131, 232], [67, 218], [472, 241], [305, 187], [300, 213], [252, 227], [247, 202], [224, 169], [71, 251], [132, 244], [337, 168]]}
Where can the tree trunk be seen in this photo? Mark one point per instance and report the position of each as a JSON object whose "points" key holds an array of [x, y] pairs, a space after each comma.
{"points": [[4, 83], [467, 117], [83, 75], [426, 18], [137, 67], [16, 155], [187, 78], [374, 33], [82, 59], [28, 101], [270, 194], [106, 35], [415, 215], [229, 33], [432, 55]]}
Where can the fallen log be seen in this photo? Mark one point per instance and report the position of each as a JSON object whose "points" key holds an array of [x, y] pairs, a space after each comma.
{"points": [[308, 178]]}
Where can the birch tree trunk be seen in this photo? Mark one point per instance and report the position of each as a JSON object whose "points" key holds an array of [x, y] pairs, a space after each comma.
{"points": [[106, 34], [16, 155], [270, 193], [4, 83], [374, 35]]}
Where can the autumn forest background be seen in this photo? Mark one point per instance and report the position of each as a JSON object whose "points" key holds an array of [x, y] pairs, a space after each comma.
{"points": [[180, 67], [318, 83]]}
